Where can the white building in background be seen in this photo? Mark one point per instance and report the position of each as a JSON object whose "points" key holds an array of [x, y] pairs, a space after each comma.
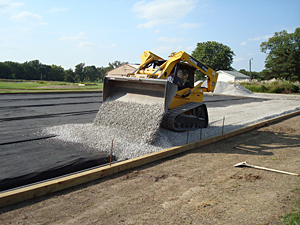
{"points": [[231, 76], [123, 70]]}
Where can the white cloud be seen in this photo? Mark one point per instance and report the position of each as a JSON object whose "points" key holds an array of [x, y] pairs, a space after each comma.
{"points": [[87, 45], [76, 37], [164, 49], [26, 16], [167, 50], [190, 25], [43, 24], [58, 9], [290, 29], [260, 38], [239, 59], [162, 11], [149, 24], [110, 46], [265, 37], [170, 40], [5, 6]]}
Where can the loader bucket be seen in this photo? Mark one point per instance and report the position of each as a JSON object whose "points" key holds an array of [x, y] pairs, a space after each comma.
{"points": [[139, 90]]}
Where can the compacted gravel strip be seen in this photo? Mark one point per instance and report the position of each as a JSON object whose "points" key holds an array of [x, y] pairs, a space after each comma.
{"points": [[135, 127], [130, 144]]}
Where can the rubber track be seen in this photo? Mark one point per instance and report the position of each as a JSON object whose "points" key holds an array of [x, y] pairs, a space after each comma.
{"points": [[169, 118]]}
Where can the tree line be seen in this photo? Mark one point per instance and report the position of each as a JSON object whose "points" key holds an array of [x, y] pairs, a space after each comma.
{"points": [[35, 70], [282, 62]]}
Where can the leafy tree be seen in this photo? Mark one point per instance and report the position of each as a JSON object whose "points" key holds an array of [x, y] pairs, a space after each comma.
{"points": [[35, 70], [69, 75], [56, 73], [43, 71], [5, 71], [243, 71], [116, 64], [254, 75], [31, 72], [17, 70], [283, 59], [79, 72], [215, 55], [91, 73], [102, 72]]}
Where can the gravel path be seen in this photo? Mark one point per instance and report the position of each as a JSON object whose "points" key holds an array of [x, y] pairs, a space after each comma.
{"points": [[134, 128]]}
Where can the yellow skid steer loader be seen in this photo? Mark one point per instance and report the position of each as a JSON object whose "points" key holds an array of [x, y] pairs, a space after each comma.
{"points": [[168, 82]]}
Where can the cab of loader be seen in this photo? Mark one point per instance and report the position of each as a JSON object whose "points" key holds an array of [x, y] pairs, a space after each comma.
{"points": [[183, 71]]}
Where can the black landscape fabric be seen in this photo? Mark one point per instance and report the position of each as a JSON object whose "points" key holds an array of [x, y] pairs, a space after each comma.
{"points": [[29, 162]]}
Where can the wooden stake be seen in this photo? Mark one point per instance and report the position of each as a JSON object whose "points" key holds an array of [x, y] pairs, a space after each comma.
{"points": [[201, 132], [187, 137], [111, 150], [223, 124]]}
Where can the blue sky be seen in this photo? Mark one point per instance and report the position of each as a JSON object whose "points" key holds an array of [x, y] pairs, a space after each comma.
{"points": [[69, 32]]}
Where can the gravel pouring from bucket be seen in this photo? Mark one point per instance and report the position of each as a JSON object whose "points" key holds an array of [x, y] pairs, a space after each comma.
{"points": [[139, 90], [245, 164]]}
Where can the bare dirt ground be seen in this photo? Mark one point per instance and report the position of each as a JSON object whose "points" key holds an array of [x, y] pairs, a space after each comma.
{"points": [[201, 186]]}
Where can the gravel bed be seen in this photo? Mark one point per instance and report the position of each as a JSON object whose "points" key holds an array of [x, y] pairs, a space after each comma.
{"points": [[134, 128], [130, 144]]}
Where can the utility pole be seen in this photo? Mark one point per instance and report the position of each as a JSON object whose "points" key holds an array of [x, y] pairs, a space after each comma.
{"points": [[250, 67]]}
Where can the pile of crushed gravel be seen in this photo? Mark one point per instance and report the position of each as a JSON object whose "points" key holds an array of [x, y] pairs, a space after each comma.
{"points": [[133, 128], [226, 88], [133, 121], [231, 89]]}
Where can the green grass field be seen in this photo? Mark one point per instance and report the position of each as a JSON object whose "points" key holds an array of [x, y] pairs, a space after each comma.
{"points": [[44, 86]]}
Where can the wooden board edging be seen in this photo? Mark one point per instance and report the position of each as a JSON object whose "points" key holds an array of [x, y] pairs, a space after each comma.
{"points": [[25, 193]]}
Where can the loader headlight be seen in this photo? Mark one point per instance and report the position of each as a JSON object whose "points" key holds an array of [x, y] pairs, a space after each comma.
{"points": [[213, 84]]}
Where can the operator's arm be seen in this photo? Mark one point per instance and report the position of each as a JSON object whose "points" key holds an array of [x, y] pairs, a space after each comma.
{"points": [[170, 79]]}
